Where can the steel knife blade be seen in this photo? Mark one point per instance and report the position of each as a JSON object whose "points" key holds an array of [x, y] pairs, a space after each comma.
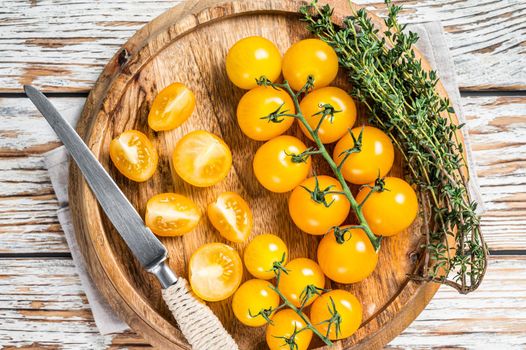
{"points": [[142, 242]]}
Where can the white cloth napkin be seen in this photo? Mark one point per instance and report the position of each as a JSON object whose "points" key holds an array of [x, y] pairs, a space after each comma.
{"points": [[433, 45]]}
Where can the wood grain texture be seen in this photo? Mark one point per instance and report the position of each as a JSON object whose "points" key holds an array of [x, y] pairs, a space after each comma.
{"points": [[121, 100], [63, 45], [43, 307], [28, 221]]}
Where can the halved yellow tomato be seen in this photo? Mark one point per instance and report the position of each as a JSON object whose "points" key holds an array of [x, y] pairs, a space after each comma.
{"points": [[133, 155], [215, 271], [231, 216], [202, 159], [171, 214], [171, 107]]}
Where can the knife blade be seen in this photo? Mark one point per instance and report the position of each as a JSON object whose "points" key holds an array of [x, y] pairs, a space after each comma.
{"points": [[142, 242]]}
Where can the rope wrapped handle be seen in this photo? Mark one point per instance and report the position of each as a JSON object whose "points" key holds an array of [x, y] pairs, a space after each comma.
{"points": [[200, 326]]}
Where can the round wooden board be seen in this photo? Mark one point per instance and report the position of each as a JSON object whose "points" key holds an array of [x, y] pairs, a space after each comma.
{"points": [[188, 43]]}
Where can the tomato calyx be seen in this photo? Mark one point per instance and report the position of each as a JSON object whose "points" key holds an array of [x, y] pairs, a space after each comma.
{"points": [[310, 291], [327, 111], [341, 234], [356, 148], [278, 267], [274, 116], [379, 186], [336, 319], [303, 156], [318, 195]]}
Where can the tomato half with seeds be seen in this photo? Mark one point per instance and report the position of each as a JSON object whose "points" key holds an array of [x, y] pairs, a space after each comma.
{"points": [[346, 305], [231, 216], [257, 109], [133, 155], [301, 273], [279, 164], [347, 255], [252, 299], [215, 271], [338, 107], [262, 252], [310, 57], [250, 58], [171, 107], [284, 324], [171, 214], [201, 158], [316, 205], [392, 210], [375, 158]]}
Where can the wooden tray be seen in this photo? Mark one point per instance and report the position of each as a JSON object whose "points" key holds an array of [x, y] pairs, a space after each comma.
{"points": [[188, 43]]}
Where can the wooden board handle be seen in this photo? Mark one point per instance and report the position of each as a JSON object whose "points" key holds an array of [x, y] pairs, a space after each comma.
{"points": [[200, 326]]}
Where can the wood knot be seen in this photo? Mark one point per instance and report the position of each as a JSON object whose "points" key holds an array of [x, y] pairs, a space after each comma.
{"points": [[413, 257], [123, 57]]}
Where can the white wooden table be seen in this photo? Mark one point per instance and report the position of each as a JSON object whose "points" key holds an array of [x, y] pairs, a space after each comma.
{"points": [[61, 46]]}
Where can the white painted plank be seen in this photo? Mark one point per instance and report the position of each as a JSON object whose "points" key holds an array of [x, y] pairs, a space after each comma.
{"points": [[62, 45], [41, 302]]}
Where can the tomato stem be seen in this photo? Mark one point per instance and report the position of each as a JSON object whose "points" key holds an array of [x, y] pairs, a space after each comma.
{"points": [[336, 169]]}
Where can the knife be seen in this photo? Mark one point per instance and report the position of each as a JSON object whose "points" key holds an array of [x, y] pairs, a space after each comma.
{"points": [[197, 322]]}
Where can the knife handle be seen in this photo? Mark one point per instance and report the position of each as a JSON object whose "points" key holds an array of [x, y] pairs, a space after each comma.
{"points": [[200, 326]]}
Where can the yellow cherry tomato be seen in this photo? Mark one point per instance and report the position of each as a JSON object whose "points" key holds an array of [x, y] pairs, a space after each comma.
{"points": [[346, 305], [259, 103], [310, 57], [133, 155], [202, 159], [261, 254], [347, 255], [249, 59], [171, 107], [392, 210], [278, 165], [231, 216], [252, 298], [334, 125], [215, 271], [171, 214], [301, 272], [375, 158], [283, 325], [319, 213]]}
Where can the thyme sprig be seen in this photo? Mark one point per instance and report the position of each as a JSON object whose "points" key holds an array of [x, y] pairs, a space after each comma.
{"points": [[401, 96]]}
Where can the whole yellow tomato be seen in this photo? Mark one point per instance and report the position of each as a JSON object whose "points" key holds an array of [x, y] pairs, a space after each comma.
{"points": [[215, 271], [133, 155], [347, 255], [335, 124], [345, 304], [201, 158], [171, 107], [171, 214], [314, 212], [310, 57], [392, 210], [278, 165], [301, 272], [259, 103], [261, 254], [284, 324], [231, 216], [250, 59], [374, 159], [251, 298]]}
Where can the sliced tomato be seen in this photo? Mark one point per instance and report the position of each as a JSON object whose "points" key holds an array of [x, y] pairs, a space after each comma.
{"points": [[202, 159], [231, 216], [171, 107], [133, 155], [171, 214]]}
